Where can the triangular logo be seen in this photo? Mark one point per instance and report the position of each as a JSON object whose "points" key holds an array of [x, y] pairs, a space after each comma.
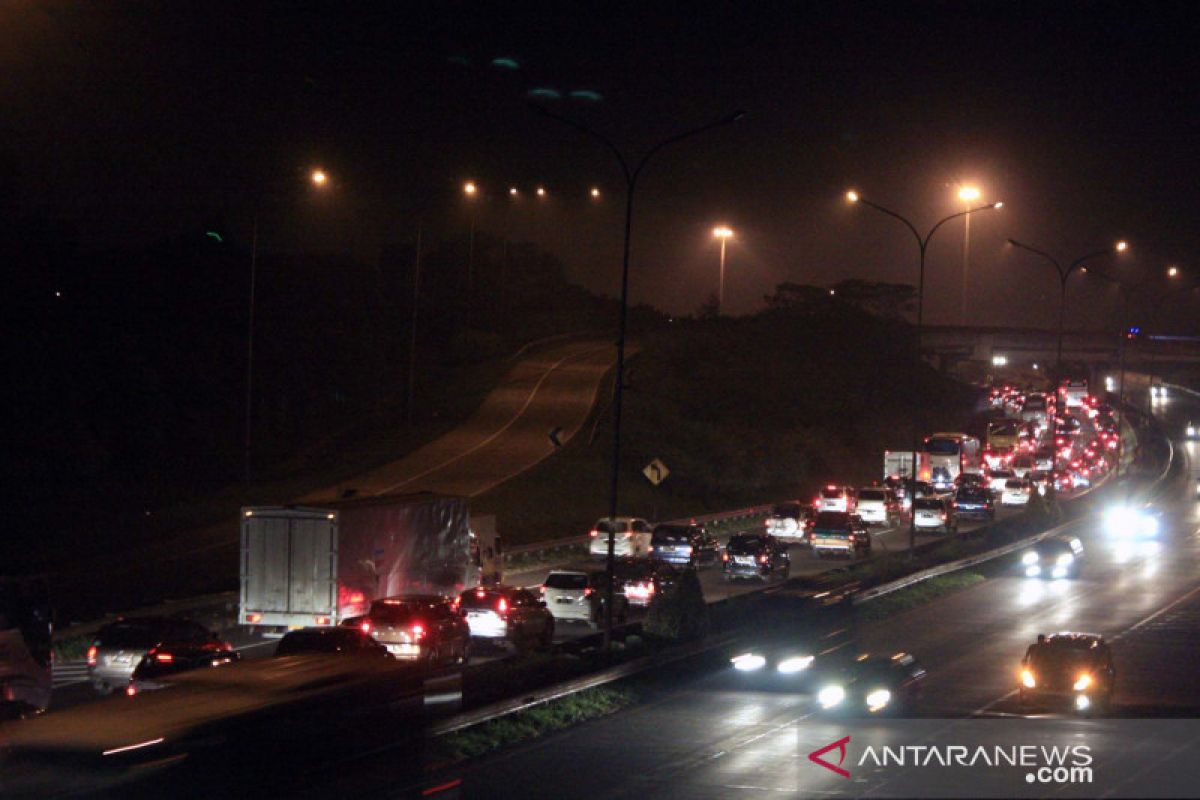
{"points": [[840, 746]]}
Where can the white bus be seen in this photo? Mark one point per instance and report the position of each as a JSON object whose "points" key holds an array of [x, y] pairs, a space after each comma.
{"points": [[950, 455]]}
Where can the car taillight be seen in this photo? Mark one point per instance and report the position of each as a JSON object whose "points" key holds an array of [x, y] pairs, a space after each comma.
{"points": [[764, 558], [418, 633], [131, 690], [542, 589], [593, 534], [365, 627], [724, 556], [502, 606], [253, 618], [322, 620], [91, 656], [164, 658], [628, 534], [587, 592], [943, 516]]}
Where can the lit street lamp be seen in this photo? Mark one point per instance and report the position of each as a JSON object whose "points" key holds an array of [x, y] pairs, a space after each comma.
{"points": [[922, 247], [723, 233], [631, 178], [320, 179], [470, 190]]}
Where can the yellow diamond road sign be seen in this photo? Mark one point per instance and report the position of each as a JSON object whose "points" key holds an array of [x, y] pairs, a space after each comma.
{"points": [[656, 472]]}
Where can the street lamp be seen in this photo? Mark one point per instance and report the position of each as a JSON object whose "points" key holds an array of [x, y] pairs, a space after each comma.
{"points": [[320, 179], [595, 193], [631, 178], [969, 195], [1063, 275], [723, 233], [922, 247], [470, 190]]}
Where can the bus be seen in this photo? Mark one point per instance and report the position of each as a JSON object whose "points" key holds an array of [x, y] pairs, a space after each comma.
{"points": [[950, 455], [25, 660]]}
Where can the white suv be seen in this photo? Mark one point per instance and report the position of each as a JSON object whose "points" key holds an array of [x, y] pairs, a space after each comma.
{"points": [[631, 537], [878, 506], [836, 498], [578, 595]]}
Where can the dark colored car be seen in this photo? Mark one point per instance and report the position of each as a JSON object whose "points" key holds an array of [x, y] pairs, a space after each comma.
{"points": [[508, 615], [685, 545], [836, 532], [162, 663], [417, 627], [871, 685], [756, 555], [343, 641], [639, 581], [1068, 668], [790, 521], [1053, 557], [120, 646], [975, 501], [970, 480]]}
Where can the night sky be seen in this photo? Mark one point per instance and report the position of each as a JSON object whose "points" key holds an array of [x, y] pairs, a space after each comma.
{"points": [[135, 121]]}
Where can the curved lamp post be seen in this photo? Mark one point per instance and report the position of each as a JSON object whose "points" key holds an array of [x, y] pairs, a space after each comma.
{"points": [[922, 247], [631, 174]]}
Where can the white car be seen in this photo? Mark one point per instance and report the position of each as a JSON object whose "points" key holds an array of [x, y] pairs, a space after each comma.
{"points": [[878, 506], [1024, 464], [631, 537], [837, 498], [1017, 492], [998, 479], [578, 595]]}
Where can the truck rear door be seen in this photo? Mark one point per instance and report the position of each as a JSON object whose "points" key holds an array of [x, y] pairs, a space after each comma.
{"points": [[288, 567]]}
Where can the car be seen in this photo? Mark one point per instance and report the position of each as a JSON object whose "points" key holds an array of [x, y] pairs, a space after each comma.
{"points": [[1053, 557], [631, 537], [688, 545], [1068, 668], [1022, 465], [878, 506], [997, 478], [1041, 480], [935, 513], [871, 685], [1190, 431], [344, 641], [159, 664], [836, 498], [976, 502], [579, 595], [507, 615], [836, 532], [783, 661], [120, 646], [970, 480], [755, 555], [1016, 492], [790, 521], [1043, 459], [639, 581], [417, 627]]}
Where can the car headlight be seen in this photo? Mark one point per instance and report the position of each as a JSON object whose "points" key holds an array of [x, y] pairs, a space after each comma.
{"points": [[1032, 571], [830, 696], [1083, 682], [1065, 560], [1027, 679], [795, 664], [748, 662], [1082, 703], [878, 699], [1029, 558]]}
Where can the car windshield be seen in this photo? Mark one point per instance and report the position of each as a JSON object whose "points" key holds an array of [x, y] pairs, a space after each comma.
{"points": [[1001, 474], [477, 599], [787, 510], [606, 526], [393, 613], [929, 504], [972, 495], [832, 519], [1003, 428], [942, 447], [831, 493], [566, 580], [311, 642], [133, 633], [746, 545], [1052, 659], [1015, 483], [872, 494], [671, 533]]}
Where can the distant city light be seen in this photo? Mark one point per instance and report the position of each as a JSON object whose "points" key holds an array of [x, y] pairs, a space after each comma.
{"points": [[999, 360]]}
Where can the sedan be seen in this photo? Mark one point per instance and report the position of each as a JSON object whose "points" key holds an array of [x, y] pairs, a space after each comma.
{"points": [[684, 545], [508, 615], [872, 685], [755, 555], [417, 627], [641, 581], [120, 646]]}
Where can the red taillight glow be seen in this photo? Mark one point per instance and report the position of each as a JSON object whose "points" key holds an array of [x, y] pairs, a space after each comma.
{"points": [[164, 658], [724, 556], [91, 656], [322, 620], [131, 690], [593, 534], [253, 618], [418, 633], [357, 598], [365, 627], [502, 606], [587, 592], [764, 558]]}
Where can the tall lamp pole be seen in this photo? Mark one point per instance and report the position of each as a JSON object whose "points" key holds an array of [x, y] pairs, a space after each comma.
{"points": [[1064, 274], [631, 178], [320, 179], [969, 195], [722, 232], [922, 247]]}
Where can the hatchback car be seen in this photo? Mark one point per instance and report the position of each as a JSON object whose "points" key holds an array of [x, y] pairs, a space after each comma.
{"points": [[790, 521], [878, 506], [579, 595], [417, 627], [631, 537], [835, 532], [1017, 492], [508, 615], [684, 545], [997, 478], [1074, 669], [975, 502], [935, 513], [836, 498], [640, 580], [160, 664], [756, 555], [120, 646]]}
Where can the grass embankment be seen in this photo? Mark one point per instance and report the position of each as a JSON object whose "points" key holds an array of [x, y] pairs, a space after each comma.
{"points": [[916, 595], [536, 721], [742, 411]]}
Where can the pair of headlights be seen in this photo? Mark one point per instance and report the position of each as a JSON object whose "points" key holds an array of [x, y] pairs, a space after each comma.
{"points": [[834, 695], [752, 662], [1081, 683]]}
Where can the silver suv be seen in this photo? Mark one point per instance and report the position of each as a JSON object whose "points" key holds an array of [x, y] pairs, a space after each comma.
{"points": [[579, 595]]}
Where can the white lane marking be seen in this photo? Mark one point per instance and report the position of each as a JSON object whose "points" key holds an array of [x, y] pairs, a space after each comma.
{"points": [[528, 401]]}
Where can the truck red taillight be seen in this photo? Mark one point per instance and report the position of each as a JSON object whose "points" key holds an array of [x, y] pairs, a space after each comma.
{"points": [[251, 619], [91, 656]]}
